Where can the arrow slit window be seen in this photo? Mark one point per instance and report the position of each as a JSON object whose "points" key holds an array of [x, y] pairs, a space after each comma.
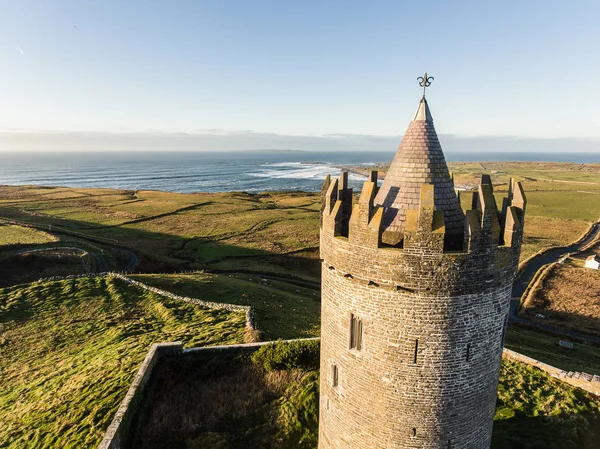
{"points": [[356, 333]]}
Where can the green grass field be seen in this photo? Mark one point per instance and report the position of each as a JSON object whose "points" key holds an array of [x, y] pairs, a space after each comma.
{"points": [[281, 310], [69, 350], [535, 411], [544, 347], [19, 235]]}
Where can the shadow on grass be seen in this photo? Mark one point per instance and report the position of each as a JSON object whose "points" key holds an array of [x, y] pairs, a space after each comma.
{"points": [[216, 402], [544, 346], [159, 252], [562, 431], [231, 400]]}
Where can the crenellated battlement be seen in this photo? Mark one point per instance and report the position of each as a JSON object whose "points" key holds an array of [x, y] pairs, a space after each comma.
{"points": [[485, 227], [352, 242]]}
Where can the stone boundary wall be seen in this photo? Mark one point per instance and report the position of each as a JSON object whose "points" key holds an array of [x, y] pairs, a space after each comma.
{"points": [[585, 381], [54, 248], [117, 433], [535, 285], [208, 304]]}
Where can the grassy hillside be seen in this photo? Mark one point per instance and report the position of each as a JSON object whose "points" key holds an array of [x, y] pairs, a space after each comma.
{"points": [[281, 310], [19, 235], [69, 350], [535, 411], [23, 268]]}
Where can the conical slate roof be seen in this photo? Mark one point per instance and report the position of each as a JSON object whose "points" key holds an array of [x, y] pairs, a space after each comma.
{"points": [[419, 160]]}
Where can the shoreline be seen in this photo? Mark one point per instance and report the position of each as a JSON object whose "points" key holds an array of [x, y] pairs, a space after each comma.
{"points": [[466, 177]]}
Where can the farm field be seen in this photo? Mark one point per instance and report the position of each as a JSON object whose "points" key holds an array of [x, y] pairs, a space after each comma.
{"points": [[69, 350], [171, 231], [569, 297], [277, 231], [19, 235]]}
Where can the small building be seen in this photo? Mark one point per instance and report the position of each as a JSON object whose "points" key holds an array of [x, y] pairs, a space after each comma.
{"points": [[593, 262]]}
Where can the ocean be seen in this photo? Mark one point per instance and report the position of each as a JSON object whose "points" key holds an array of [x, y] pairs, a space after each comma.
{"points": [[250, 171]]}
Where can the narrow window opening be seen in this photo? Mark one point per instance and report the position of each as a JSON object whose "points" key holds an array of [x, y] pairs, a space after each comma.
{"points": [[416, 350], [414, 432], [504, 331], [468, 352], [334, 375], [356, 331], [449, 444]]}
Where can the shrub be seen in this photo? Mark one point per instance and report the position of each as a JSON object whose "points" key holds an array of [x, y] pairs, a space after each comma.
{"points": [[299, 414], [288, 355]]}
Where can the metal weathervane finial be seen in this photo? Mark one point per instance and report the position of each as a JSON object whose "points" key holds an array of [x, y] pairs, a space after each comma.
{"points": [[425, 82]]}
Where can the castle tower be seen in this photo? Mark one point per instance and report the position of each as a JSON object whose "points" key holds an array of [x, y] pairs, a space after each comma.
{"points": [[415, 300]]}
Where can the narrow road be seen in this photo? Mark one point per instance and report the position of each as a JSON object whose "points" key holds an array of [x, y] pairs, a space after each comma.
{"points": [[99, 259], [100, 264], [551, 256], [529, 272]]}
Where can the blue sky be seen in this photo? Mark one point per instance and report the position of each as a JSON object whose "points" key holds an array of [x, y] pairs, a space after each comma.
{"points": [[526, 69]]}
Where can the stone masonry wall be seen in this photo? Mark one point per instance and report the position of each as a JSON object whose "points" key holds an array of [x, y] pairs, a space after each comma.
{"points": [[117, 434], [426, 375], [585, 381]]}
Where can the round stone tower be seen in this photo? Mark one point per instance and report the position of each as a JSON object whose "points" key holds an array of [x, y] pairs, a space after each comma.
{"points": [[415, 300]]}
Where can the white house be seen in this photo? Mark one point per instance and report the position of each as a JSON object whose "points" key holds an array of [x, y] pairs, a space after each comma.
{"points": [[593, 262]]}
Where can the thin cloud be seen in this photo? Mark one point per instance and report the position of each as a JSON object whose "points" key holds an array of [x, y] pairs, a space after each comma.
{"points": [[225, 140], [20, 49]]}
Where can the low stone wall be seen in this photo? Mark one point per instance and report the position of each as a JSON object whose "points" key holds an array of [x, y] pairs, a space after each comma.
{"points": [[53, 248], [535, 285], [585, 381], [208, 304], [117, 435], [211, 305]]}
